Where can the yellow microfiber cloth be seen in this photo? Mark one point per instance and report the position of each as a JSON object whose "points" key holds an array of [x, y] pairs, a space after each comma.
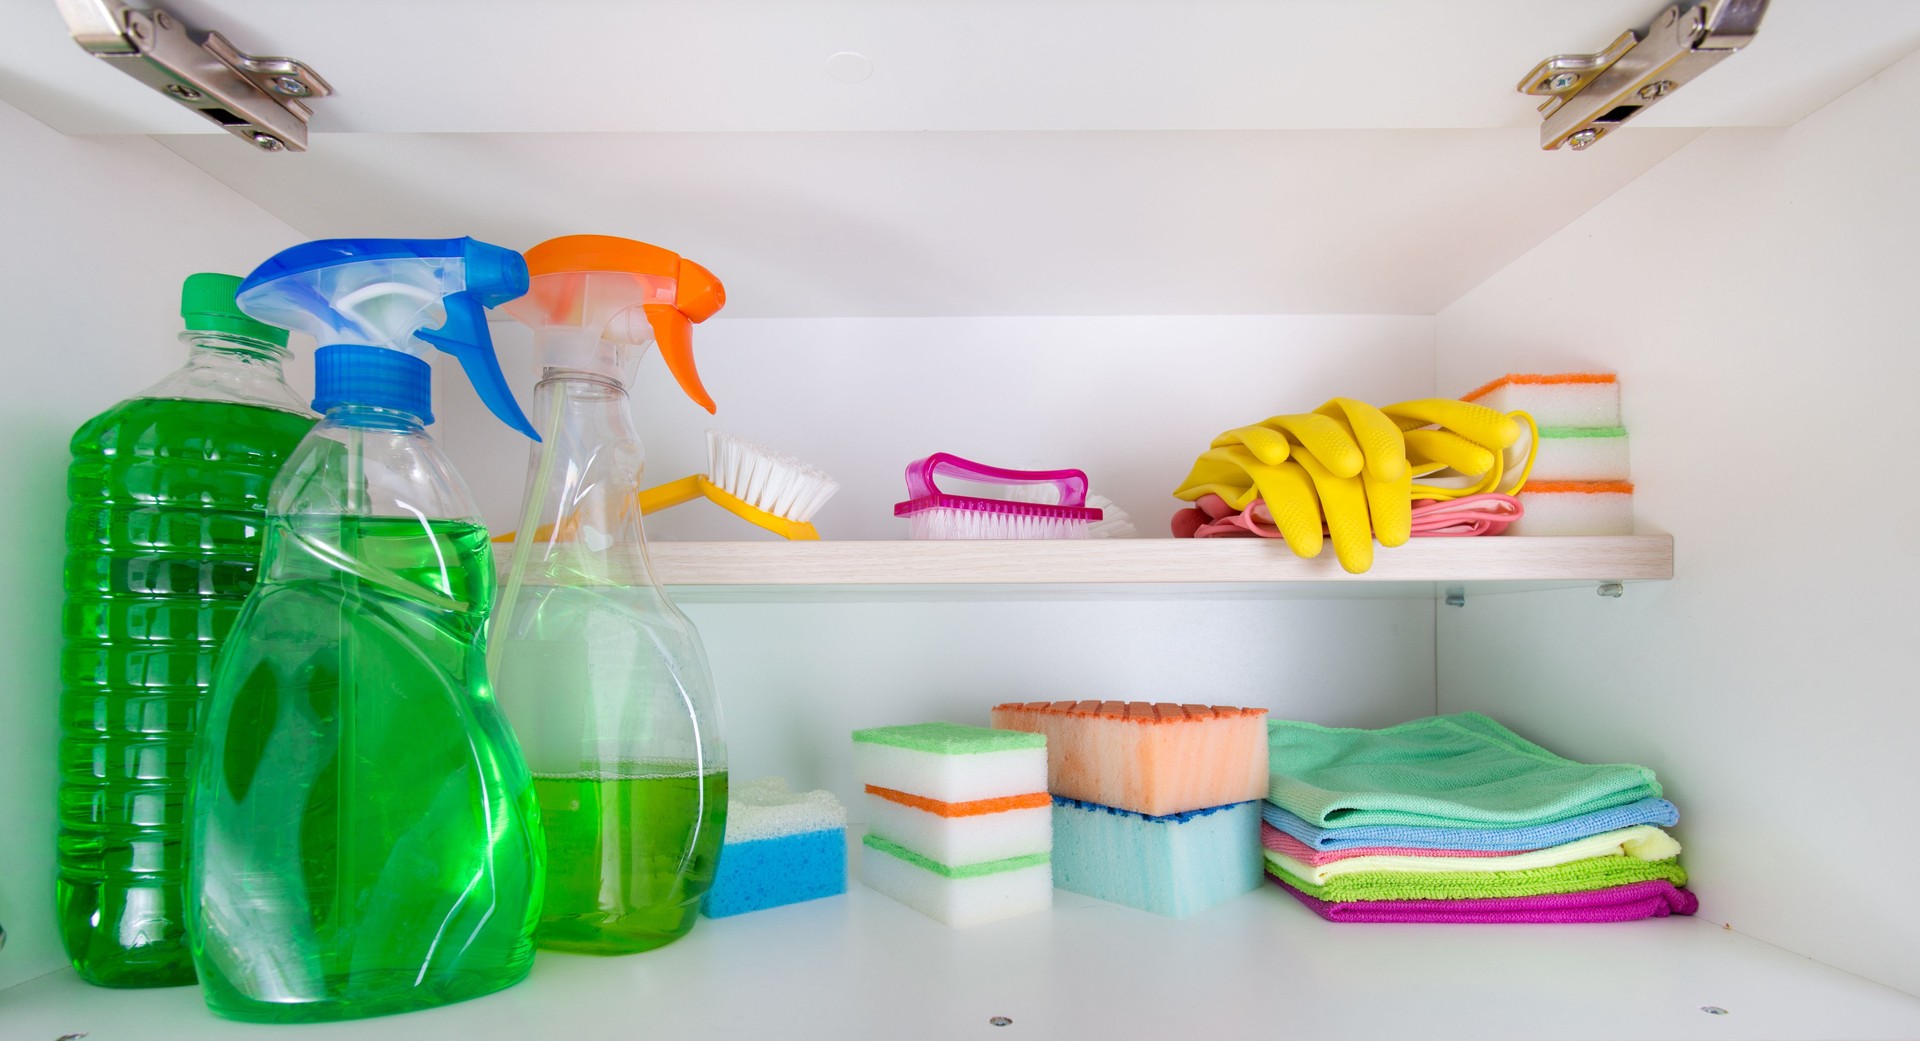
{"points": [[1577, 876], [1644, 843]]}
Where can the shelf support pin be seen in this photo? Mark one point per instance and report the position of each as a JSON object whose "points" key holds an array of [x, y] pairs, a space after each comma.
{"points": [[1612, 590], [1456, 597]]}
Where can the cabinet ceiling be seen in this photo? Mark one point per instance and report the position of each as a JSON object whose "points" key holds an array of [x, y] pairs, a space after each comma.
{"points": [[1003, 156], [501, 66]]}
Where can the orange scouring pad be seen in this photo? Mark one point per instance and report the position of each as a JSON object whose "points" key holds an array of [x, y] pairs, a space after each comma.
{"points": [[1151, 758]]}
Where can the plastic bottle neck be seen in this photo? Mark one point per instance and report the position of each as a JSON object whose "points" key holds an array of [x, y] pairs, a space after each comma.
{"points": [[211, 348], [373, 417]]}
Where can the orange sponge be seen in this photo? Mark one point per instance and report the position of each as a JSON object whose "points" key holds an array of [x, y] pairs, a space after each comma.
{"points": [[1151, 758]]}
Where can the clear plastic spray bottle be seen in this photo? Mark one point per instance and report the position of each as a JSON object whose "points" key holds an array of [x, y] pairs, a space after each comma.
{"points": [[603, 678]]}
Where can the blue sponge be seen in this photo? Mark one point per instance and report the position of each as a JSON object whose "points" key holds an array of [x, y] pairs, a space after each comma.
{"points": [[770, 872], [1175, 865], [782, 847]]}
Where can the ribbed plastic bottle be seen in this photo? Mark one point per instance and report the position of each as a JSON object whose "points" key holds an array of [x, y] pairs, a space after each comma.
{"points": [[168, 496], [365, 837], [603, 677]]}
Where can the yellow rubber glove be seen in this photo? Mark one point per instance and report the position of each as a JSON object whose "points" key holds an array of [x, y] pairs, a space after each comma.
{"points": [[1387, 479], [1343, 501], [1271, 441], [1472, 440]]}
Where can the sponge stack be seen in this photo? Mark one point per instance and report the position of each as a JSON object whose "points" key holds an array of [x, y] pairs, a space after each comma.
{"points": [[782, 847], [1579, 482], [1155, 806], [958, 821]]}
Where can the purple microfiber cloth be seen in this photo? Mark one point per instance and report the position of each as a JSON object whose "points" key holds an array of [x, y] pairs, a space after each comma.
{"points": [[1628, 903]]}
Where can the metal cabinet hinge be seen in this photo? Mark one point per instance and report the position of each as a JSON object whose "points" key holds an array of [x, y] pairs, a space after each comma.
{"points": [[1588, 95], [260, 100]]}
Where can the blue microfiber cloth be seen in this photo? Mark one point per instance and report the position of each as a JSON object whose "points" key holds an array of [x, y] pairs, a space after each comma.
{"points": [[1657, 812], [1459, 770], [1175, 865]]}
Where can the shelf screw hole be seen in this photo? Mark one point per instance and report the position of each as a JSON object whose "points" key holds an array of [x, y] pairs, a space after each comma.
{"points": [[70, 1037], [1001, 1021], [1713, 1010]]}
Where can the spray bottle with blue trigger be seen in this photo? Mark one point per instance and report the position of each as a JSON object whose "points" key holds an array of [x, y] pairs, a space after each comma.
{"points": [[365, 837]]}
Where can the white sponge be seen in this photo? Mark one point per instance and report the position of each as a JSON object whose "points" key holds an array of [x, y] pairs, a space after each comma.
{"points": [[1576, 508], [1581, 454], [766, 809], [950, 762], [963, 840], [1019, 886], [1567, 399]]}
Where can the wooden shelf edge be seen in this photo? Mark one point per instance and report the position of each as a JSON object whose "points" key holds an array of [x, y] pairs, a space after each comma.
{"points": [[1623, 558]]}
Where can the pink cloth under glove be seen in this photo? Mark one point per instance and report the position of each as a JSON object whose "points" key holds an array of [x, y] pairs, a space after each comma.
{"points": [[1487, 514]]}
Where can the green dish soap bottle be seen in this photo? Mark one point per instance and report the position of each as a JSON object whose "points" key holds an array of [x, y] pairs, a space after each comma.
{"points": [[365, 838], [604, 679], [168, 500]]}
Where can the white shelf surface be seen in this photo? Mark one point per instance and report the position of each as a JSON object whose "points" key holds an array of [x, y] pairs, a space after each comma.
{"points": [[862, 966], [1151, 568]]}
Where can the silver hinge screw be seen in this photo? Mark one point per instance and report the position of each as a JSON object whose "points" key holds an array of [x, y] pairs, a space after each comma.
{"points": [[1656, 90], [1584, 139], [290, 86], [1563, 81], [184, 92], [1612, 589], [268, 142]]}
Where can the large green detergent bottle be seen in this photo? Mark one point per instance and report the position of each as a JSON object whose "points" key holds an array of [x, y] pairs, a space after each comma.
{"points": [[365, 839], [168, 499]]}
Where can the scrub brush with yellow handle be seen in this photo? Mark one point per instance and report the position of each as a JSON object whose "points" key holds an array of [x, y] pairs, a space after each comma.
{"points": [[753, 482]]}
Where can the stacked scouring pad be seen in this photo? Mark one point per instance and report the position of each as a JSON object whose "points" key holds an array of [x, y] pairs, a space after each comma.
{"points": [[1155, 806], [958, 825], [1579, 484]]}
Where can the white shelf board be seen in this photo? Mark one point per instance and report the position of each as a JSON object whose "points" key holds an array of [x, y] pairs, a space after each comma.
{"points": [[1145, 568], [862, 966]]}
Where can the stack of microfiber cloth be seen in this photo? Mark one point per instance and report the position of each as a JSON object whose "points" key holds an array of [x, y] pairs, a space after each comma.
{"points": [[1578, 485], [1155, 805], [1458, 819]]}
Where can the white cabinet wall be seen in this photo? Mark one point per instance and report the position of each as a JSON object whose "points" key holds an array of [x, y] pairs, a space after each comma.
{"points": [[1750, 282]]}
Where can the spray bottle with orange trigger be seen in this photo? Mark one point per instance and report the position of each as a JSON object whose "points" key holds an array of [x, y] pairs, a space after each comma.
{"points": [[603, 678]]}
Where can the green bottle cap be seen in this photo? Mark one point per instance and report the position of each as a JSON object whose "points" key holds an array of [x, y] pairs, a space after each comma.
{"points": [[206, 304]]}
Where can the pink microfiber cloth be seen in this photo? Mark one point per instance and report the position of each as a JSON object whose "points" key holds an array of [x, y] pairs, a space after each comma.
{"points": [[1281, 842], [1488, 513], [1628, 903]]}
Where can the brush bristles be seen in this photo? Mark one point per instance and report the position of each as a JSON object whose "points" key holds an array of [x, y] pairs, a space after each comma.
{"points": [[761, 477], [949, 523]]}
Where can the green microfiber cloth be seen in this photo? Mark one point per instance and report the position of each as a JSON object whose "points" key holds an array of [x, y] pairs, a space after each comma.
{"points": [[1463, 771], [1576, 876]]}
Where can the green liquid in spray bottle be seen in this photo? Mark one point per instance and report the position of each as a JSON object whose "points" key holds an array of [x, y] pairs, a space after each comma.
{"points": [[365, 835]]}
